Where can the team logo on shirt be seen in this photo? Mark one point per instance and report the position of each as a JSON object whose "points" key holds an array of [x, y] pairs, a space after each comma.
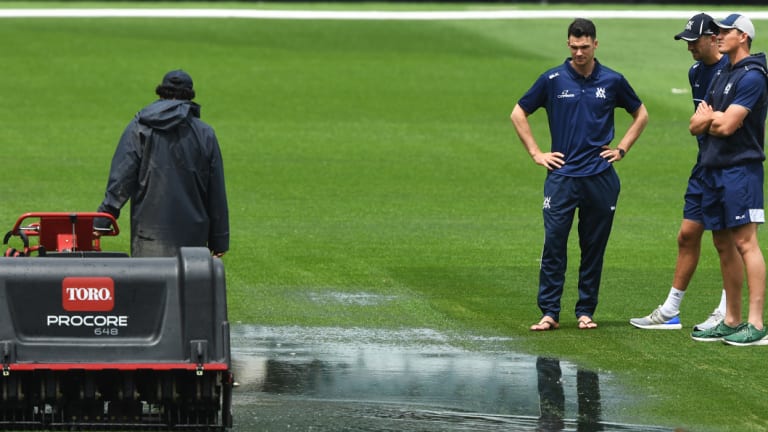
{"points": [[554, 75], [600, 93], [565, 94], [727, 88], [546, 202]]}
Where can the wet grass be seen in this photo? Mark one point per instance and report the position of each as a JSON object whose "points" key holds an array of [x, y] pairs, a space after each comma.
{"points": [[377, 158]]}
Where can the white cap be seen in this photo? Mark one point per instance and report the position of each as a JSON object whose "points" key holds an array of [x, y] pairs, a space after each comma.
{"points": [[738, 22]]}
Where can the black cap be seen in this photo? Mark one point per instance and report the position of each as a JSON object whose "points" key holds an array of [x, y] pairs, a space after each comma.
{"points": [[698, 26], [178, 79]]}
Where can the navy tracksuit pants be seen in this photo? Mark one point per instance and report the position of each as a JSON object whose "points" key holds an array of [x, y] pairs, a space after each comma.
{"points": [[595, 197]]}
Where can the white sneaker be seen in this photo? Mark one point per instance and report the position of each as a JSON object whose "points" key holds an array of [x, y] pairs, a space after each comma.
{"points": [[657, 321], [714, 318]]}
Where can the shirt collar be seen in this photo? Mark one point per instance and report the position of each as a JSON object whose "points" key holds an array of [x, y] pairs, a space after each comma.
{"points": [[576, 75]]}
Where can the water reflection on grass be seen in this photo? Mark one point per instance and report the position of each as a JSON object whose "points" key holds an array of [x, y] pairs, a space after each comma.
{"points": [[330, 379]]}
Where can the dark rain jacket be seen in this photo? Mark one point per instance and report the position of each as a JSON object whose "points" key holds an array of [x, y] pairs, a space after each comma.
{"points": [[168, 163]]}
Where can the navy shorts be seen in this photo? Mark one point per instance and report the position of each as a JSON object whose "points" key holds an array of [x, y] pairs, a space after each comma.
{"points": [[732, 196], [693, 196]]}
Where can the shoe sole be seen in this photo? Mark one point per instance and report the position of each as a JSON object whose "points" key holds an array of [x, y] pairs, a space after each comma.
{"points": [[759, 342], [658, 326], [700, 339]]}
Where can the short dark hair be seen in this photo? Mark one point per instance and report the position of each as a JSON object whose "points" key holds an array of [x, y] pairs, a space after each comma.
{"points": [[171, 92], [581, 27]]}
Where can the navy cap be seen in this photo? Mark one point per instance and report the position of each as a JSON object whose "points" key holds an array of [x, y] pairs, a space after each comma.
{"points": [[178, 79], [738, 22], [698, 26]]}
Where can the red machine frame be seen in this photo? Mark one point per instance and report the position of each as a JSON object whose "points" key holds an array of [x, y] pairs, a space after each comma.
{"points": [[59, 232]]}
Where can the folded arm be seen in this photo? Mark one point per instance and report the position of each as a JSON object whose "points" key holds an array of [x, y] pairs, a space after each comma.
{"points": [[717, 123]]}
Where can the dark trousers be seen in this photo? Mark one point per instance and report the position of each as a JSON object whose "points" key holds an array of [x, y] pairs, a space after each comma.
{"points": [[595, 198]]}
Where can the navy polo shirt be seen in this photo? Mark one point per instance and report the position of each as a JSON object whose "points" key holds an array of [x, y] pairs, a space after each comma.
{"points": [[700, 76], [580, 113]]}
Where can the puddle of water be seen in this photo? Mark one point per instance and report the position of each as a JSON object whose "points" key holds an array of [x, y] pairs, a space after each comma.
{"points": [[354, 298], [329, 379]]}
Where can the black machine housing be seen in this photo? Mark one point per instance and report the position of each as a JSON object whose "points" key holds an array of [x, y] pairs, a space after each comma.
{"points": [[106, 341]]}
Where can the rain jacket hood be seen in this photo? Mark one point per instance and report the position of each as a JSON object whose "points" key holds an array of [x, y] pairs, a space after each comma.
{"points": [[167, 114]]}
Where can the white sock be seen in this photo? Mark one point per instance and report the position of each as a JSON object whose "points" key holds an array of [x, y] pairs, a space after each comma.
{"points": [[671, 306], [721, 307]]}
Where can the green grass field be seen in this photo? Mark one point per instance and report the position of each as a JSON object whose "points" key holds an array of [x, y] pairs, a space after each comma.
{"points": [[378, 157]]}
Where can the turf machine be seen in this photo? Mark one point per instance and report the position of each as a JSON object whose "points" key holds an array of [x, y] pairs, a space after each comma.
{"points": [[94, 340]]}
